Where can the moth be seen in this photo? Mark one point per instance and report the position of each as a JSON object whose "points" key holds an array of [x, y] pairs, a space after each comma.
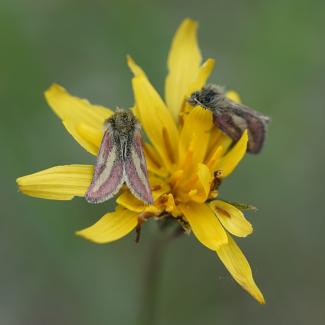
{"points": [[120, 160], [232, 118]]}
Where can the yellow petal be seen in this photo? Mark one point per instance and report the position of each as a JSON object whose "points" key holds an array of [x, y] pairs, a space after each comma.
{"points": [[234, 96], [238, 266], [170, 203], [112, 226], [202, 77], [156, 120], [57, 183], [231, 218], [158, 188], [204, 224], [218, 145], [136, 70], [88, 137], [74, 111], [202, 185], [184, 61], [130, 202], [195, 135], [154, 161], [203, 74], [232, 158]]}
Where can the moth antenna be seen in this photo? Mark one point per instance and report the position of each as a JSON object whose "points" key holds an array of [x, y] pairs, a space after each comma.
{"points": [[200, 104]]}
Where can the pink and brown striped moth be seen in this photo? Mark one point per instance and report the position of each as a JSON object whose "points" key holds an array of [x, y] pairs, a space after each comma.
{"points": [[120, 160]]}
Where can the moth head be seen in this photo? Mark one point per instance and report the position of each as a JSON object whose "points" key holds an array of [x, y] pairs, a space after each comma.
{"points": [[208, 97], [194, 98], [122, 122]]}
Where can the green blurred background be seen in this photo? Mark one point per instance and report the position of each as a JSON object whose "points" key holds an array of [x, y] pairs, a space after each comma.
{"points": [[272, 52]]}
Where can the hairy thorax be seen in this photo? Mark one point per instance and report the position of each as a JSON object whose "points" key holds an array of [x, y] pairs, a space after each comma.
{"points": [[122, 123]]}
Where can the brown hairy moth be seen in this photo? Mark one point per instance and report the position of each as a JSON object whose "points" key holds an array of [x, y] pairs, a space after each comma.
{"points": [[232, 118], [120, 160]]}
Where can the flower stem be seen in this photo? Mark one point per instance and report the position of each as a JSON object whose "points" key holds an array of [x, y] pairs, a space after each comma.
{"points": [[153, 268], [151, 283]]}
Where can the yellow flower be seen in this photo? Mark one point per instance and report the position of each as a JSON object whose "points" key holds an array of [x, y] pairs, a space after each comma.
{"points": [[185, 153]]}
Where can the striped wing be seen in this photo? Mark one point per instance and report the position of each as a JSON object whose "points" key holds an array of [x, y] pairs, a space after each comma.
{"points": [[109, 175], [136, 175]]}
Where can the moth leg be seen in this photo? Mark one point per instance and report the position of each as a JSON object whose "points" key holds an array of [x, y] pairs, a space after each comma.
{"points": [[144, 216], [138, 233]]}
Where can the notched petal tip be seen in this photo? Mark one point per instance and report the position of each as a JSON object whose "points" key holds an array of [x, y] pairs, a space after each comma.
{"points": [[187, 27], [54, 89], [189, 20]]}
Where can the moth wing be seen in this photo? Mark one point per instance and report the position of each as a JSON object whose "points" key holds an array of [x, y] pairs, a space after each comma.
{"points": [[235, 118], [256, 133], [136, 174], [228, 123], [257, 127], [109, 173]]}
